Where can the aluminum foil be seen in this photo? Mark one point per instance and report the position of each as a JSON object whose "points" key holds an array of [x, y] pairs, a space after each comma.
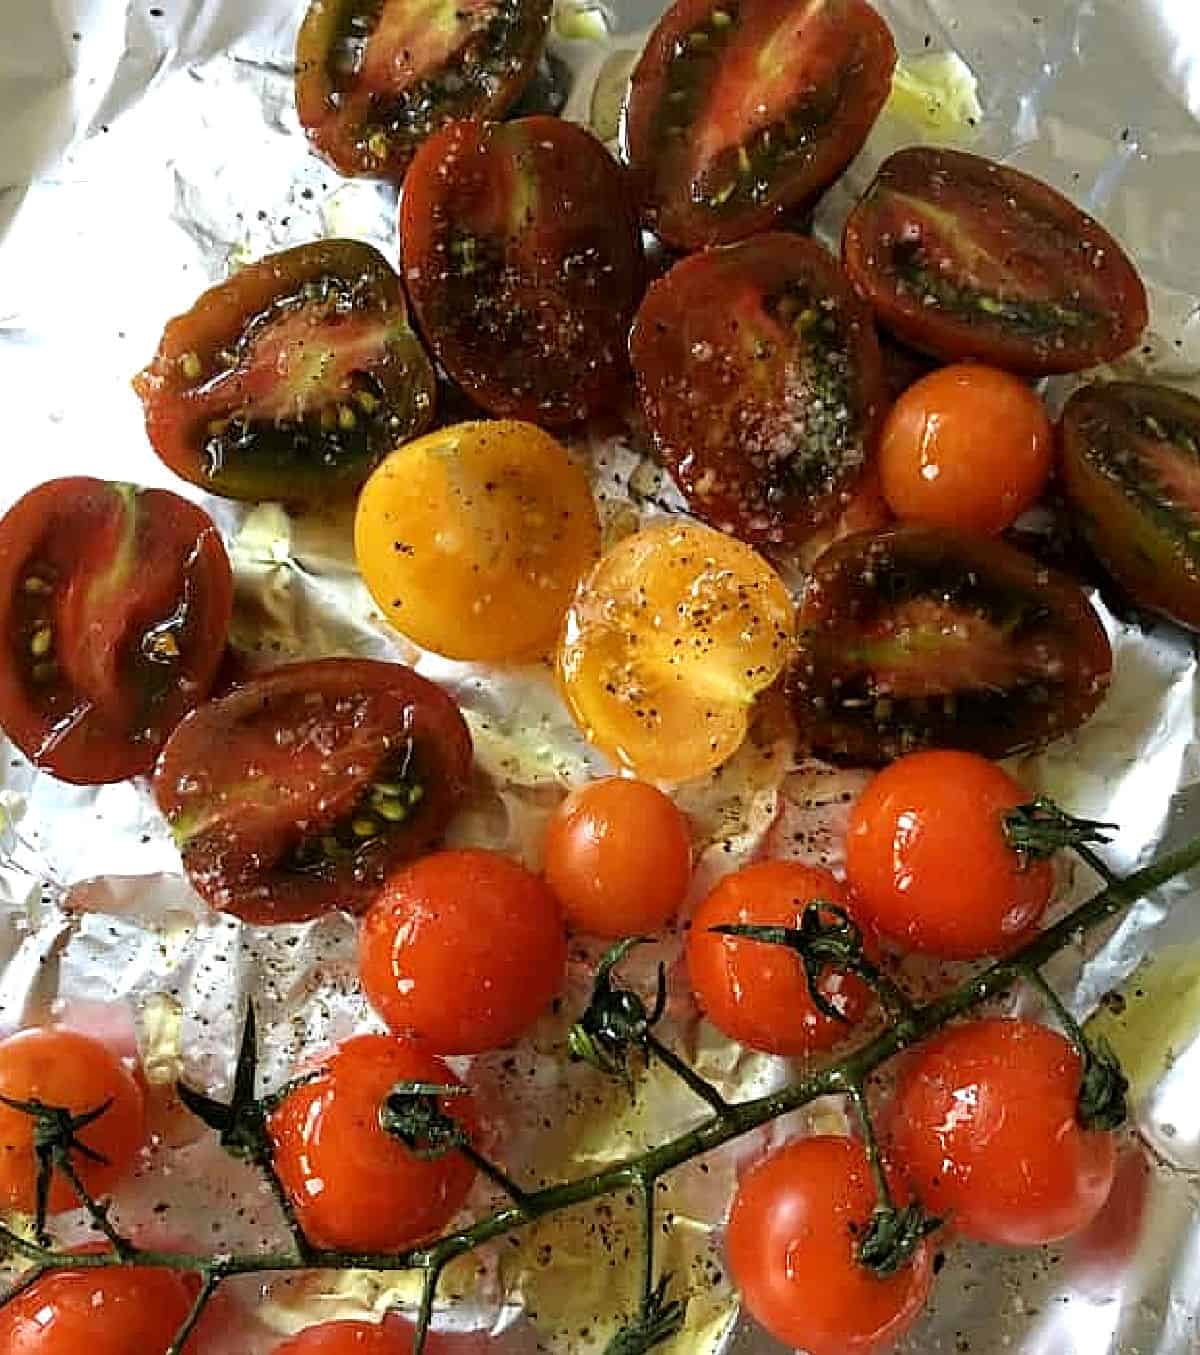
{"points": [[149, 147]]}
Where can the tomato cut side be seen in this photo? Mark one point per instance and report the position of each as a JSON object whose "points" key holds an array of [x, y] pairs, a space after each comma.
{"points": [[291, 379], [762, 383], [743, 110], [114, 606], [965, 258], [922, 637], [376, 77], [523, 258], [297, 792]]}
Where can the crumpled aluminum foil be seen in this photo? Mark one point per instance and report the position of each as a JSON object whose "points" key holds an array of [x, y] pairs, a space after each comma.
{"points": [[149, 147]]}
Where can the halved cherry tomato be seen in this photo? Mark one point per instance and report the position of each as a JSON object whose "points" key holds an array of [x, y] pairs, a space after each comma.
{"points": [[929, 863], [463, 951], [291, 379], [298, 792], [353, 1185], [965, 258], [969, 447], [762, 383], [796, 1220], [984, 1126], [61, 1067], [755, 992], [618, 855], [374, 78], [471, 540], [923, 637], [523, 258], [669, 641], [114, 605], [739, 112], [1131, 467], [349, 1338]]}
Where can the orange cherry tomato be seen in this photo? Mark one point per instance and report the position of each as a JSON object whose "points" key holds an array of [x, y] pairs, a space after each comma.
{"points": [[757, 993], [349, 1338], [984, 1125], [463, 951], [619, 856], [928, 861], [968, 447], [60, 1067], [353, 1185]]}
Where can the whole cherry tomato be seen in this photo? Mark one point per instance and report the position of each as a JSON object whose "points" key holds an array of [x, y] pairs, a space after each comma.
{"points": [[349, 1338]]}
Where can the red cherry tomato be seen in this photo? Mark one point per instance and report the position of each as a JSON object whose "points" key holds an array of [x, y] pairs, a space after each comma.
{"points": [[463, 951], [984, 1126], [353, 1185], [349, 1338], [791, 1247], [755, 992], [60, 1067], [928, 860], [114, 604], [619, 857], [968, 447]]}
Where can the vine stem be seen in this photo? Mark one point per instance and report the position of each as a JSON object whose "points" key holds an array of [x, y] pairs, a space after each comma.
{"points": [[733, 1121], [97, 1212], [687, 1074], [212, 1278], [883, 1192]]}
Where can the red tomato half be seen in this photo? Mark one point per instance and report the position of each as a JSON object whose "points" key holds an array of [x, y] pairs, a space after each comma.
{"points": [[349, 1338], [114, 605], [523, 258], [301, 789], [964, 258], [762, 383], [739, 112]]}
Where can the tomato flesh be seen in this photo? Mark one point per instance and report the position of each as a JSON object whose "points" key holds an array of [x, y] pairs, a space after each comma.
{"points": [[922, 637], [297, 792], [741, 111], [965, 258], [114, 606], [291, 379]]}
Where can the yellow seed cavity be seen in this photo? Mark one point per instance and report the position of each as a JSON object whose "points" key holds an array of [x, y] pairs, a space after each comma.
{"points": [[367, 402], [720, 18], [190, 366], [391, 810], [39, 646], [217, 427], [345, 418], [34, 584], [364, 827], [378, 145]]}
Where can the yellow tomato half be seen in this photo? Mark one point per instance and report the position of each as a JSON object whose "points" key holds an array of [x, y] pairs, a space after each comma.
{"points": [[472, 539], [666, 645]]}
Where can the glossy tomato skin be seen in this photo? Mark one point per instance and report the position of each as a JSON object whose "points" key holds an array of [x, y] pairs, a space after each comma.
{"points": [[920, 637], [61, 1067], [984, 1125], [349, 1338], [791, 1240], [762, 384], [114, 606], [298, 791], [374, 80], [618, 856], [912, 831], [523, 258], [964, 258], [353, 1186], [1131, 470], [463, 951], [757, 993], [291, 379], [740, 113]]}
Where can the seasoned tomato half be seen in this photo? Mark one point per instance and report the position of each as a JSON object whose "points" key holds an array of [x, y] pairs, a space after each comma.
{"points": [[374, 78], [1131, 468], [921, 637], [965, 258], [291, 379], [114, 607], [741, 110], [523, 258], [762, 384], [298, 792]]}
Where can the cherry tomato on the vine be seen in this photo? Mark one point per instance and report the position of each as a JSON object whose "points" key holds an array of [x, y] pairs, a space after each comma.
{"points": [[353, 1185], [618, 855], [929, 862], [756, 992], [984, 1125], [463, 951], [349, 1338], [797, 1217]]}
